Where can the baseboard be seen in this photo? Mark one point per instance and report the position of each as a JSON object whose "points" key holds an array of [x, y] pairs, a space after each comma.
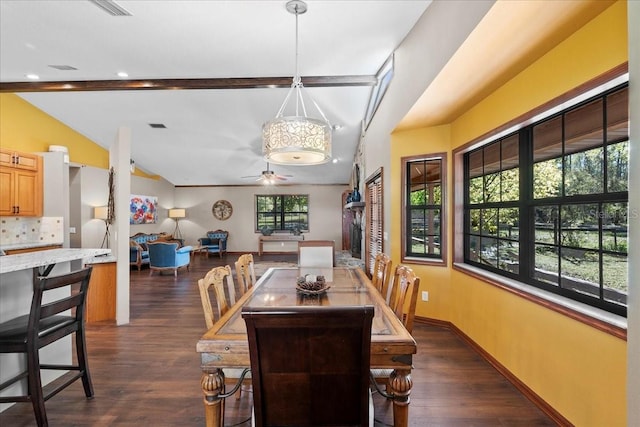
{"points": [[522, 387]]}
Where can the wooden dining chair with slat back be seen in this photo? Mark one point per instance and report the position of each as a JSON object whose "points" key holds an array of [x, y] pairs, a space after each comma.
{"points": [[216, 278], [403, 299], [405, 295], [310, 365], [245, 273], [381, 277]]}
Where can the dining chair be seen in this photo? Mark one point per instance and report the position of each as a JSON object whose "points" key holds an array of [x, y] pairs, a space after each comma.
{"points": [[63, 314], [405, 295], [245, 273], [403, 299], [381, 276], [216, 278], [316, 253], [310, 365]]}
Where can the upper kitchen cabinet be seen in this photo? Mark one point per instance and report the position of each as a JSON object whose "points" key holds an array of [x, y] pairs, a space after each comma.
{"points": [[20, 184]]}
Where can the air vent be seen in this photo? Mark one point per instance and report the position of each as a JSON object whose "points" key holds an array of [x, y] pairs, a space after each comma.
{"points": [[63, 67], [157, 125], [111, 7]]}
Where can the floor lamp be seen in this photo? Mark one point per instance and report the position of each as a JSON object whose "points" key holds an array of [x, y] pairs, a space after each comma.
{"points": [[102, 212], [176, 214]]}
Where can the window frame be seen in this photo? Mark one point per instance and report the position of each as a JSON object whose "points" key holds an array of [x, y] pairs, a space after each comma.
{"points": [[282, 213], [608, 322], [435, 260]]}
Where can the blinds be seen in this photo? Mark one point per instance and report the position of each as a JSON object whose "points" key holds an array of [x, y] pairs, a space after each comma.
{"points": [[374, 220]]}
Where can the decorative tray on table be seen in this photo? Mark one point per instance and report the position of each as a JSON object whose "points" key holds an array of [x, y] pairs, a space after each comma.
{"points": [[311, 285]]}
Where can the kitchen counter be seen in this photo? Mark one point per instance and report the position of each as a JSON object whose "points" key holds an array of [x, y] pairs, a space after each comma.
{"points": [[14, 246], [10, 263]]}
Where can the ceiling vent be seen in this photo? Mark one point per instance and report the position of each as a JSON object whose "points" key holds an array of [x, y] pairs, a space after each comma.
{"points": [[111, 7], [63, 67], [157, 125]]}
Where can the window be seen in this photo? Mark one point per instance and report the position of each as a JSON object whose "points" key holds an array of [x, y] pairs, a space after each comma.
{"points": [[282, 212], [547, 205], [423, 201], [374, 222]]}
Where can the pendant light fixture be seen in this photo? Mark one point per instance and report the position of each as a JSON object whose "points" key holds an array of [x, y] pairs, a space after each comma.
{"points": [[297, 139]]}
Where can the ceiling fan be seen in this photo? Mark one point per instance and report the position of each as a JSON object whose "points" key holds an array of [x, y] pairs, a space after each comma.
{"points": [[269, 177]]}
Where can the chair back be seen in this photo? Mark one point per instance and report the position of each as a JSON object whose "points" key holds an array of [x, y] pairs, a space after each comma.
{"points": [[245, 273], [316, 253], [404, 295], [381, 276], [310, 365], [61, 293], [162, 254], [216, 278]]}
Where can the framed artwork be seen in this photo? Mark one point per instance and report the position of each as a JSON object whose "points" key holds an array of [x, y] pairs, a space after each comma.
{"points": [[143, 209]]}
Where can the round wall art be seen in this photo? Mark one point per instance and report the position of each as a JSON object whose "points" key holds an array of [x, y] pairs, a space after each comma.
{"points": [[222, 210]]}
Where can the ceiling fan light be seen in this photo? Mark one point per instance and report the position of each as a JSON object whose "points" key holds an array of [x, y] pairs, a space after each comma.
{"points": [[296, 141]]}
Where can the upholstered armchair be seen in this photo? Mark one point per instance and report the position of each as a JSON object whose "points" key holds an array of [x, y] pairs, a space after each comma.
{"points": [[168, 256], [138, 254], [215, 242]]}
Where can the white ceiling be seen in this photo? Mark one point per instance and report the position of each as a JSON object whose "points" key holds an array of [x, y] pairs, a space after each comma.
{"points": [[213, 137]]}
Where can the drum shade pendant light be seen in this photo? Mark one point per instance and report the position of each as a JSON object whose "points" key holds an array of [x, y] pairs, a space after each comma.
{"points": [[297, 139]]}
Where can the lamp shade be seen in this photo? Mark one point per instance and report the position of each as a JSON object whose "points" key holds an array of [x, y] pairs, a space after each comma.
{"points": [[297, 141], [101, 212], [177, 213]]}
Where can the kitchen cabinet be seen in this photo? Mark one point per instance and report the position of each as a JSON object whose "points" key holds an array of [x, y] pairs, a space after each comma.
{"points": [[20, 184]]}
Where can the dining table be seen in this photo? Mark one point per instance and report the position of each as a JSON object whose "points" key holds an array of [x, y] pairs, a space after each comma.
{"points": [[225, 345]]}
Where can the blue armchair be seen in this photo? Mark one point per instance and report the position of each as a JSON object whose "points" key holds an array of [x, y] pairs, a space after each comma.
{"points": [[168, 256], [215, 242]]}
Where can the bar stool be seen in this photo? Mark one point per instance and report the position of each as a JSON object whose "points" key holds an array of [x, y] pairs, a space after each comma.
{"points": [[46, 323]]}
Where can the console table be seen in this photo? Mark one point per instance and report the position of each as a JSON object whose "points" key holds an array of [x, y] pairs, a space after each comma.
{"points": [[278, 238]]}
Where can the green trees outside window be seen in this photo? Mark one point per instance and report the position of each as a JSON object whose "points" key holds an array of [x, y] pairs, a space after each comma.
{"points": [[547, 205], [281, 212]]}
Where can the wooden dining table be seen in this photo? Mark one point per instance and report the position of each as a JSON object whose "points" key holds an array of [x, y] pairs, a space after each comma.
{"points": [[225, 345]]}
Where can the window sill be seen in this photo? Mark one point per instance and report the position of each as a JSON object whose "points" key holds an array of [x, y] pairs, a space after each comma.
{"points": [[594, 317]]}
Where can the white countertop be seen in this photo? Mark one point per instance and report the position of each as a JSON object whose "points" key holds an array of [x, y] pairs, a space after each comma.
{"points": [[9, 263]]}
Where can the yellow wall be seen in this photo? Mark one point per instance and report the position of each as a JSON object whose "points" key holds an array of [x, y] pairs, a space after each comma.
{"points": [[24, 127], [578, 370]]}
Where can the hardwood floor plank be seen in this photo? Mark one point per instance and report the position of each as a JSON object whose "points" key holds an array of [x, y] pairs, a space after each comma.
{"points": [[147, 373]]}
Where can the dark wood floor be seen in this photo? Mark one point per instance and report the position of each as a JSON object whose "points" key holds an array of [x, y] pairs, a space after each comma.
{"points": [[147, 372]]}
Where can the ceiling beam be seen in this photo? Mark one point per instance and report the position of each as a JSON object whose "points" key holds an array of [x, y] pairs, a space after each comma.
{"points": [[185, 84]]}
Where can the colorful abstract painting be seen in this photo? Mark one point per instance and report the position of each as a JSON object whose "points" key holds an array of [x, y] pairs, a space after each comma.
{"points": [[143, 209]]}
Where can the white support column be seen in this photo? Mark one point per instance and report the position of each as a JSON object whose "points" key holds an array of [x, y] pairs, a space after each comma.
{"points": [[633, 302], [119, 156]]}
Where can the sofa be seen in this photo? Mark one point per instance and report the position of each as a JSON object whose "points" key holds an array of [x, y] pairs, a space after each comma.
{"points": [[215, 242], [165, 255], [138, 246]]}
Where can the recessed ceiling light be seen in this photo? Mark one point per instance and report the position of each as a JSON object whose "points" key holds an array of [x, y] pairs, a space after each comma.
{"points": [[334, 160], [32, 76], [122, 74]]}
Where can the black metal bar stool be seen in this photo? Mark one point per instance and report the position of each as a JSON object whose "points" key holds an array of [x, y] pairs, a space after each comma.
{"points": [[46, 323]]}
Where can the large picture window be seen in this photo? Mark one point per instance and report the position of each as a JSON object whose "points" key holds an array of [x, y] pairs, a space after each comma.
{"points": [[423, 208], [282, 212], [547, 204]]}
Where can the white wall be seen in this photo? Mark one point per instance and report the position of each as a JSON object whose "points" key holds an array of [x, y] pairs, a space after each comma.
{"points": [[325, 212], [418, 60]]}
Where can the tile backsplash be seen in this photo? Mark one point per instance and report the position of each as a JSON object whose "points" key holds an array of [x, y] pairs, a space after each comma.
{"points": [[17, 230]]}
